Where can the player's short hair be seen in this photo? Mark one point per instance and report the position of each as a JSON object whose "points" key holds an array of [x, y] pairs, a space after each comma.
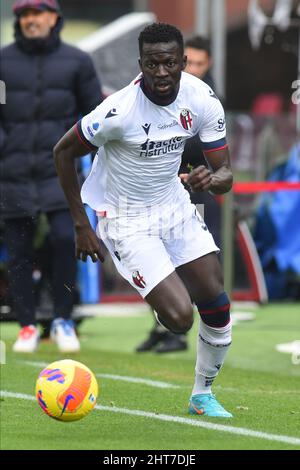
{"points": [[199, 42], [160, 32]]}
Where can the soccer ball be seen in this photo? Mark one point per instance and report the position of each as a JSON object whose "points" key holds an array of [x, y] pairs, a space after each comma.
{"points": [[66, 390]]}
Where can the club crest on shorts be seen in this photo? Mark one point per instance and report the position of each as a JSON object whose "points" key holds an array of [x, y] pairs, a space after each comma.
{"points": [[186, 119], [138, 280]]}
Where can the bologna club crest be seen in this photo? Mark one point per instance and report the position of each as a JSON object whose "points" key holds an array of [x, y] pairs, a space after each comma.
{"points": [[186, 119], [138, 280]]}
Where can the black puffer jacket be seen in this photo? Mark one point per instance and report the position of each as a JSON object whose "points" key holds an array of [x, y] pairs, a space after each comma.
{"points": [[49, 84]]}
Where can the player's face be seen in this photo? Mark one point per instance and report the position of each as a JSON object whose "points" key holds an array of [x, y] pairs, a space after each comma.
{"points": [[37, 24], [162, 64], [198, 62]]}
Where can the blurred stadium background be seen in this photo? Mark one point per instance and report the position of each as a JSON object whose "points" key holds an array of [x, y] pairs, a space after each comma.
{"points": [[256, 50], [255, 64]]}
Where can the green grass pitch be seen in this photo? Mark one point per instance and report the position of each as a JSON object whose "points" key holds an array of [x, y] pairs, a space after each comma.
{"points": [[259, 385]]}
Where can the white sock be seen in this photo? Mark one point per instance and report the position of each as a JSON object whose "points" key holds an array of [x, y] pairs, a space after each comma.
{"points": [[213, 344]]}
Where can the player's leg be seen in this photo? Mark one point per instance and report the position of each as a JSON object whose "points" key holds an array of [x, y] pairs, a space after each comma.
{"points": [[161, 340], [203, 279], [172, 303], [194, 255]]}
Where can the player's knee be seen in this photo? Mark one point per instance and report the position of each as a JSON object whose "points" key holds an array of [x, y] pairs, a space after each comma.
{"points": [[184, 326], [215, 313], [182, 319]]}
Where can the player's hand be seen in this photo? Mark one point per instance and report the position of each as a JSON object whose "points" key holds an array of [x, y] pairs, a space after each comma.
{"points": [[88, 244], [199, 179]]}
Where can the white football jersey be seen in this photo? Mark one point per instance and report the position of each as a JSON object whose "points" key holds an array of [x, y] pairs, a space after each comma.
{"points": [[141, 143]]}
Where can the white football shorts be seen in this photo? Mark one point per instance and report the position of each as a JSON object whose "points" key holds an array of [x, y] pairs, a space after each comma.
{"points": [[147, 249]]}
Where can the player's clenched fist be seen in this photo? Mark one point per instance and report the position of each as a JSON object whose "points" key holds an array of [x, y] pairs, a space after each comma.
{"points": [[199, 179]]}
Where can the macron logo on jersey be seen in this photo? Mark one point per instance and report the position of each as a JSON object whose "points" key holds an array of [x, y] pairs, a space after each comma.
{"points": [[111, 113], [212, 94], [146, 128]]}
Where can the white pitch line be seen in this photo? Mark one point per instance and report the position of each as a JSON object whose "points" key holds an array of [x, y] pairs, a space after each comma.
{"points": [[137, 380], [124, 378], [34, 363], [179, 420], [156, 383]]}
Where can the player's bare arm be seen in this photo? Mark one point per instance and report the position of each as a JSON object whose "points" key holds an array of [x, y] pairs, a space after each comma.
{"points": [[65, 153], [217, 180]]}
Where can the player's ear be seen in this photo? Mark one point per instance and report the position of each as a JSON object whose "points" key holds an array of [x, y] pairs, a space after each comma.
{"points": [[140, 63], [184, 61]]}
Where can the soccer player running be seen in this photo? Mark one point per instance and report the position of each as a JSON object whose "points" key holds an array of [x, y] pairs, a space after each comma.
{"points": [[171, 260]]}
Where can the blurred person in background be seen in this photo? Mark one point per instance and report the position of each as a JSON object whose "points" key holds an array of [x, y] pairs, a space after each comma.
{"points": [[199, 62], [49, 85]]}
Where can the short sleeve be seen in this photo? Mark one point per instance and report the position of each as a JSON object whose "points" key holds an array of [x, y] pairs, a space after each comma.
{"points": [[99, 126], [212, 131]]}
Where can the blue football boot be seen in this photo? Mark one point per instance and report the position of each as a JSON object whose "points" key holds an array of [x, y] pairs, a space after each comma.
{"points": [[207, 405]]}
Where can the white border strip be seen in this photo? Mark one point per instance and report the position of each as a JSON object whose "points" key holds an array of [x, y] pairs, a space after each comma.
{"points": [[124, 378], [197, 422], [114, 30]]}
